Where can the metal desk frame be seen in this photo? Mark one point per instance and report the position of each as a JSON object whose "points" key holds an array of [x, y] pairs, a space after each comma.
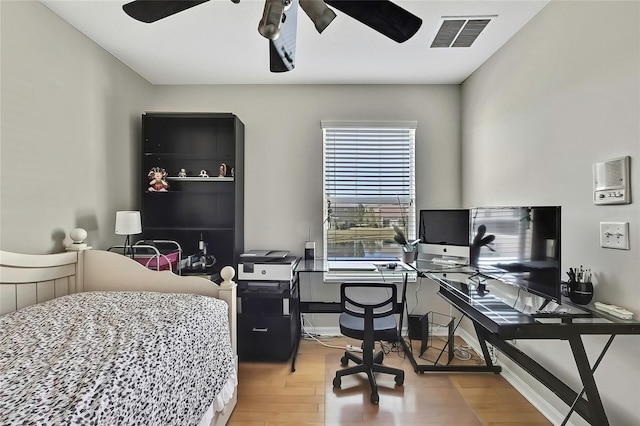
{"points": [[570, 329], [308, 307], [489, 331]]}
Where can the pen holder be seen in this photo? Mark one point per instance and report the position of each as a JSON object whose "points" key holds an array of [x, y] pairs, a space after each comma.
{"points": [[580, 293]]}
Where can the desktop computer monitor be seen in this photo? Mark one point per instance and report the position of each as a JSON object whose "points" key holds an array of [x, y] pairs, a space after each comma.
{"points": [[444, 233], [519, 245]]}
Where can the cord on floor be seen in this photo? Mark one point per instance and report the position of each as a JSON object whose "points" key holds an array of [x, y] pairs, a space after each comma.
{"points": [[314, 337], [466, 353]]}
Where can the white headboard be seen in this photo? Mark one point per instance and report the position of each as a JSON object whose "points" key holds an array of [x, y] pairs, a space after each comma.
{"points": [[26, 279]]}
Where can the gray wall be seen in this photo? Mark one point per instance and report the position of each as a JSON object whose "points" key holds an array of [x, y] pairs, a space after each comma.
{"points": [[283, 156], [562, 94], [69, 117], [71, 112], [283, 146], [85, 107]]}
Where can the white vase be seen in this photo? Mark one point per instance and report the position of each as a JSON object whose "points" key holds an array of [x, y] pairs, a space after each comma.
{"points": [[409, 256]]}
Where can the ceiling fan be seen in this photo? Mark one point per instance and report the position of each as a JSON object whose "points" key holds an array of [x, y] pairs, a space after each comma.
{"points": [[279, 20]]}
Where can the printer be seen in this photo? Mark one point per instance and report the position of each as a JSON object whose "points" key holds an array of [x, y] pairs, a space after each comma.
{"points": [[267, 265]]}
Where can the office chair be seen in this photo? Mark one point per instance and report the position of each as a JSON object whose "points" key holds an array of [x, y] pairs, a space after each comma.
{"points": [[368, 321]]}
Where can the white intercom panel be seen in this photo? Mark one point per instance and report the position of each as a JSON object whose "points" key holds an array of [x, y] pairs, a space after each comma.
{"points": [[611, 181]]}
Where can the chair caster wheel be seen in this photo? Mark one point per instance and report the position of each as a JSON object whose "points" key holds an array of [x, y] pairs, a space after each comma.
{"points": [[399, 380], [375, 398], [344, 361], [337, 382]]}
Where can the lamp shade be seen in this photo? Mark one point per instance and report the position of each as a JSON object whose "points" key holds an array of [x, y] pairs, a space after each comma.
{"points": [[128, 223]]}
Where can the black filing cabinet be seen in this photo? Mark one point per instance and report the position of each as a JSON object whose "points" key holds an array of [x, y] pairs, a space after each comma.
{"points": [[268, 320]]}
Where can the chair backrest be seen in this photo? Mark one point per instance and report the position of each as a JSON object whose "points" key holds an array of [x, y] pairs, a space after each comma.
{"points": [[375, 300]]}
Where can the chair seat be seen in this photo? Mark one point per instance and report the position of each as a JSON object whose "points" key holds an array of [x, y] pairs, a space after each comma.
{"points": [[385, 328]]}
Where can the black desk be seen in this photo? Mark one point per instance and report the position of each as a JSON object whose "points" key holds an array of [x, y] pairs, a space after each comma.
{"points": [[320, 266], [496, 322], [314, 307]]}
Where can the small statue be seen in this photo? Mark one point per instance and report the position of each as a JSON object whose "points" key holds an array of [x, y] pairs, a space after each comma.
{"points": [[233, 172], [203, 173], [182, 173], [222, 171], [158, 183]]}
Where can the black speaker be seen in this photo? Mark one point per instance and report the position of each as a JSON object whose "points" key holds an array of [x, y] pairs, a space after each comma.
{"points": [[415, 330]]}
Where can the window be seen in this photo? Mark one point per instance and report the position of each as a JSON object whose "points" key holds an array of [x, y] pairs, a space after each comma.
{"points": [[369, 187]]}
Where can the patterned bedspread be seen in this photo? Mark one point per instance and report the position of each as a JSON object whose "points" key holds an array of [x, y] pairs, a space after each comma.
{"points": [[114, 358]]}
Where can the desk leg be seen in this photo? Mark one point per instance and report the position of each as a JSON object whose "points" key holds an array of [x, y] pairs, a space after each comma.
{"points": [[590, 389], [593, 370], [482, 335], [557, 386], [296, 344]]}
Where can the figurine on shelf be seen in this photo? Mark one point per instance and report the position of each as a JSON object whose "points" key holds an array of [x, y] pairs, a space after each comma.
{"points": [[182, 173], [222, 171], [158, 183], [203, 174], [233, 172]]}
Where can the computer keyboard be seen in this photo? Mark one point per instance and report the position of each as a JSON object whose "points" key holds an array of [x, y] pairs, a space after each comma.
{"points": [[450, 262], [351, 266]]}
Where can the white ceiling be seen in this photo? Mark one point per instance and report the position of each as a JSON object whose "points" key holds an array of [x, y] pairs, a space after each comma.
{"points": [[218, 43]]}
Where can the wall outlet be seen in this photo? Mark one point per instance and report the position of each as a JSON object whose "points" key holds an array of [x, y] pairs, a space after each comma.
{"points": [[614, 235]]}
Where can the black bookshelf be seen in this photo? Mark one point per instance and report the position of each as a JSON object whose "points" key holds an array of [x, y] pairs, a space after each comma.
{"points": [[195, 207]]}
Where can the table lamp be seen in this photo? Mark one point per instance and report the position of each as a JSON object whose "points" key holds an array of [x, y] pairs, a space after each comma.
{"points": [[128, 223]]}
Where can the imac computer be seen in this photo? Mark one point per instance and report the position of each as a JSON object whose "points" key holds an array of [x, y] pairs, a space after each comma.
{"points": [[444, 235]]}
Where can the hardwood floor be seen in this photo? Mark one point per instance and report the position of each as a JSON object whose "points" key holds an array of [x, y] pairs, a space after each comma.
{"points": [[269, 394]]}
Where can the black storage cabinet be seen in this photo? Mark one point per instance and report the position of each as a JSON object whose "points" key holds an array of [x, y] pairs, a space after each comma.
{"points": [[195, 208], [268, 321]]}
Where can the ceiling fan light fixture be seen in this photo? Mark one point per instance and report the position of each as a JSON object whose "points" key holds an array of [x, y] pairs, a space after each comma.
{"points": [[318, 12], [272, 15]]}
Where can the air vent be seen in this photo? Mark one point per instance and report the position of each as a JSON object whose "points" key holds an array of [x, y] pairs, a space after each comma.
{"points": [[459, 32]]}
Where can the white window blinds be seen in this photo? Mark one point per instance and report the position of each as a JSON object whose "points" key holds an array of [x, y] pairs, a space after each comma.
{"points": [[369, 186]]}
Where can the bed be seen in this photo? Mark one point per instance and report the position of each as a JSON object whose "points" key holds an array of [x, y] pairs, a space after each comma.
{"points": [[94, 337]]}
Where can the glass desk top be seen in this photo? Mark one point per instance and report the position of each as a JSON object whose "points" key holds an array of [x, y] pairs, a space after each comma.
{"points": [[324, 265], [476, 300]]}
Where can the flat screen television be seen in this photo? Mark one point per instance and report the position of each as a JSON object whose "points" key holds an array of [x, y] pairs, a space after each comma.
{"points": [[444, 232], [519, 245]]}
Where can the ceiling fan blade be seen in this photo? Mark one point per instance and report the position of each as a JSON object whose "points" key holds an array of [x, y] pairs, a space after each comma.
{"points": [[153, 10], [383, 16], [282, 50]]}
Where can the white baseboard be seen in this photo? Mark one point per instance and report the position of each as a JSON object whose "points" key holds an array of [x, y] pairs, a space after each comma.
{"points": [[322, 331]]}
